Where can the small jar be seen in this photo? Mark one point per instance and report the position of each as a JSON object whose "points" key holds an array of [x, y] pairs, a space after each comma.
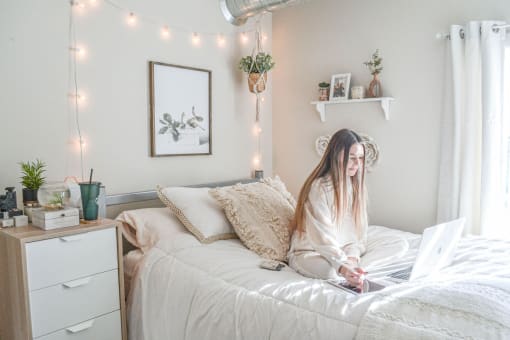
{"points": [[357, 92]]}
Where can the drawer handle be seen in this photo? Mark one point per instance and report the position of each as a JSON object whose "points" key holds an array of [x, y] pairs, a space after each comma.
{"points": [[77, 283], [81, 327], [72, 238]]}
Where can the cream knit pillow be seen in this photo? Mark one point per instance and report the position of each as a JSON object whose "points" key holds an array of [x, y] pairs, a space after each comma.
{"points": [[260, 214], [198, 212]]}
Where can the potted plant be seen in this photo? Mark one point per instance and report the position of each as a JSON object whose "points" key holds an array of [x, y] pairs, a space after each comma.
{"points": [[374, 64], [32, 179], [255, 67], [323, 91]]}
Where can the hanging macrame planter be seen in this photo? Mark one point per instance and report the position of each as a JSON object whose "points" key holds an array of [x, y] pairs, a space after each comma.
{"points": [[256, 66]]}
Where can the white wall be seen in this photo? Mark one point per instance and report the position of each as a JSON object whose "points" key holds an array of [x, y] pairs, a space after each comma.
{"points": [[34, 88], [320, 38]]}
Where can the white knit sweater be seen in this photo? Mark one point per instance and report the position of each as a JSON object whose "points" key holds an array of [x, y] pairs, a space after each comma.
{"points": [[334, 240]]}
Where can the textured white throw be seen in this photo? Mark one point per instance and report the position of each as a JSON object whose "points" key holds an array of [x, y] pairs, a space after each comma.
{"points": [[474, 309]]}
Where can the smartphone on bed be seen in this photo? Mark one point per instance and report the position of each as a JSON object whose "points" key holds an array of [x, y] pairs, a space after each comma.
{"points": [[368, 286]]}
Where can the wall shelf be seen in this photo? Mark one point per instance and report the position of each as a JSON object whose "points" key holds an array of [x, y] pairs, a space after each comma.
{"points": [[320, 106]]}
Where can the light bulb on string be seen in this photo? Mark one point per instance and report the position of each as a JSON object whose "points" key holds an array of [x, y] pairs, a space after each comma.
{"points": [[79, 50], [165, 32], [93, 2], [79, 97], [257, 130], [257, 161], [75, 144], [244, 38], [221, 40], [195, 39], [131, 19]]}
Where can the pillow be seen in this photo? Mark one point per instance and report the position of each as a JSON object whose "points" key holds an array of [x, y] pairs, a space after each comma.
{"points": [[260, 214], [145, 227], [198, 212]]}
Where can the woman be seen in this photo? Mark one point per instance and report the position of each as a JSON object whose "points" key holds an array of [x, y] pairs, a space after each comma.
{"points": [[330, 223]]}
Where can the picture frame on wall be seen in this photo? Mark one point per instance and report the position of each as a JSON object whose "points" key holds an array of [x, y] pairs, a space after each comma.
{"points": [[180, 110], [339, 89]]}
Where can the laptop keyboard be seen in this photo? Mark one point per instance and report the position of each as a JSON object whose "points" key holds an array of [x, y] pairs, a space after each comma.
{"points": [[403, 274]]}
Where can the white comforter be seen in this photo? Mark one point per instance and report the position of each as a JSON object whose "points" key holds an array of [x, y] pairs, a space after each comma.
{"points": [[186, 290]]}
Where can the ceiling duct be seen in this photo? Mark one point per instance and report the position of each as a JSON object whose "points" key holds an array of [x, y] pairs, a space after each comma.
{"points": [[238, 11]]}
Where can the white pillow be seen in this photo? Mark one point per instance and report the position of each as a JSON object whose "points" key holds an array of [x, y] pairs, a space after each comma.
{"points": [[143, 228], [198, 212]]}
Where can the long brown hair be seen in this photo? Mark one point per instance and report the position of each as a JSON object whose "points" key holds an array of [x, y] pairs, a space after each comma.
{"points": [[331, 165]]}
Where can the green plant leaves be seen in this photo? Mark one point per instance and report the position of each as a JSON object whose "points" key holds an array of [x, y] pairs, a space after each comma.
{"points": [[263, 62], [32, 174]]}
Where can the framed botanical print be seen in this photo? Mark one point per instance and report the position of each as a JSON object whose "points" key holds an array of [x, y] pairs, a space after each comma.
{"points": [[180, 110]]}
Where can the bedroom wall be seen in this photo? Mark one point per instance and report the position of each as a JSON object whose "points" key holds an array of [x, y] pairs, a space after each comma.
{"points": [[320, 38], [34, 88]]}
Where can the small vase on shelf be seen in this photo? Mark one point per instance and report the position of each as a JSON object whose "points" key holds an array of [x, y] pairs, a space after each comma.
{"points": [[375, 87]]}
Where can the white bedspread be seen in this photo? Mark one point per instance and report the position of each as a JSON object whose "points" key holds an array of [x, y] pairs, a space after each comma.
{"points": [[186, 290]]}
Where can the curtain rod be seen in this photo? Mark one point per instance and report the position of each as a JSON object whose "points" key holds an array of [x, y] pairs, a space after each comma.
{"points": [[495, 29]]}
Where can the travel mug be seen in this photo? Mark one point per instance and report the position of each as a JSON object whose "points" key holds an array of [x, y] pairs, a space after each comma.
{"points": [[89, 197]]}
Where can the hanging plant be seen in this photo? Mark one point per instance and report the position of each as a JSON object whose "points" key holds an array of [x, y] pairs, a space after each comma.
{"points": [[256, 68]]}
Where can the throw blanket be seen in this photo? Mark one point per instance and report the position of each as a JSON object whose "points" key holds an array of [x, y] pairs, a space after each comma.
{"points": [[460, 306]]}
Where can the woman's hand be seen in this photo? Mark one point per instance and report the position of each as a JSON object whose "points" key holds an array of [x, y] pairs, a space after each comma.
{"points": [[353, 275]]}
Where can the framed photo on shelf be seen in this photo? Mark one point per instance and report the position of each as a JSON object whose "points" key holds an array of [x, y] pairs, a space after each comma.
{"points": [[340, 87], [180, 110]]}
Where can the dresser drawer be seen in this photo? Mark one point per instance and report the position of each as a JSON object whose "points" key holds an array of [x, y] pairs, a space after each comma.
{"points": [[66, 304], [63, 259], [106, 327]]}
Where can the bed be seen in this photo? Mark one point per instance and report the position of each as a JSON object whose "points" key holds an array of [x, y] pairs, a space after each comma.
{"points": [[182, 288]]}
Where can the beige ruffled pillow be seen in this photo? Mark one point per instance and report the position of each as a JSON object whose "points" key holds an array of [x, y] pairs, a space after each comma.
{"points": [[198, 212], [260, 214]]}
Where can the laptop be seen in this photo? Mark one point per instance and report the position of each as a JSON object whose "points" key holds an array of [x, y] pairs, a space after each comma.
{"points": [[437, 250]]}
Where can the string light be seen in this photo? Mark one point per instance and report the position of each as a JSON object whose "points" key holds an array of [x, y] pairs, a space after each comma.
{"points": [[221, 40], [165, 32], [79, 50], [131, 19], [195, 39], [256, 130], [256, 161], [244, 38], [79, 96]]}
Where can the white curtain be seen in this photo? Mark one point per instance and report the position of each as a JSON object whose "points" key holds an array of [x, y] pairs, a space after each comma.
{"points": [[472, 181]]}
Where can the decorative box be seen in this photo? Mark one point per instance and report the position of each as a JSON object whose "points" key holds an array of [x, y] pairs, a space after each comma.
{"points": [[54, 219]]}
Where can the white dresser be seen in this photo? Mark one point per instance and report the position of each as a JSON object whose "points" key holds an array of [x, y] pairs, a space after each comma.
{"points": [[62, 284]]}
